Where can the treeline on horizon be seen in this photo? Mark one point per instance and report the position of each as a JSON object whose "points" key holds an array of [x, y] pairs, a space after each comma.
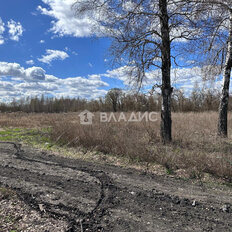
{"points": [[116, 100]]}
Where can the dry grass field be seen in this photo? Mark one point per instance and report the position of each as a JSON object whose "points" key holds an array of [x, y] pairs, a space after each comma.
{"points": [[195, 150]]}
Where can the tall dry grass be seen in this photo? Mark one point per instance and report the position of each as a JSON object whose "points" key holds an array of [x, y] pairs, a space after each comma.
{"points": [[195, 148]]}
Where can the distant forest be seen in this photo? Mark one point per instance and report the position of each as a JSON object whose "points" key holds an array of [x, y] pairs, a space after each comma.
{"points": [[117, 100]]}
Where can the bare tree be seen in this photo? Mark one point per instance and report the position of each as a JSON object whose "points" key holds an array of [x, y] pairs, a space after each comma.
{"points": [[114, 97], [143, 32], [224, 102], [214, 17]]}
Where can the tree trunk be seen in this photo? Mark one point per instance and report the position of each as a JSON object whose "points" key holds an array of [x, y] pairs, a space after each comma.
{"points": [[223, 108], [166, 121], [114, 106]]}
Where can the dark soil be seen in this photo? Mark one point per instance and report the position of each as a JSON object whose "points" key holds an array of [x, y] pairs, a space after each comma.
{"points": [[107, 198]]}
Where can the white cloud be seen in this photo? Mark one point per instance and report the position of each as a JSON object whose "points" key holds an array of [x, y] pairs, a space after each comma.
{"points": [[35, 74], [42, 41], [94, 77], [121, 73], [2, 29], [11, 69], [16, 71], [50, 78], [183, 78], [17, 82], [53, 55], [15, 30], [66, 21], [30, 62]]}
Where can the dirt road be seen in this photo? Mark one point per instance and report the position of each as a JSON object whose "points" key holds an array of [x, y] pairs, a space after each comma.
{"points": [[99, 198]]}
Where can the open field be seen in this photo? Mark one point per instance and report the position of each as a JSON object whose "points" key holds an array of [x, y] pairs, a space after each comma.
{"points": [[196, 149], [71, 182]]}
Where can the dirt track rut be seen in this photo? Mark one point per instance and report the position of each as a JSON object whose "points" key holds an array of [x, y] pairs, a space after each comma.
{"points": [[99, 198]]}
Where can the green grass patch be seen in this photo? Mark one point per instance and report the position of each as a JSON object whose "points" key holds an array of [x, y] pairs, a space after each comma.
{"points": [[39, 137]]}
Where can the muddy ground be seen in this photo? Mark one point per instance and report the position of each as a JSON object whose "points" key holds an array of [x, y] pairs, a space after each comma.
{"points": [[95, 198]]}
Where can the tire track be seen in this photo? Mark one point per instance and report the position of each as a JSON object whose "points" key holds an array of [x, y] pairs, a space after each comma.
{"points": [[78, 219], [95, 197]]}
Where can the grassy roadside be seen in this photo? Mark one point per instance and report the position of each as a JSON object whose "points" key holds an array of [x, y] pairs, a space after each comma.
{"points": [[41, 139], [28, 136]]}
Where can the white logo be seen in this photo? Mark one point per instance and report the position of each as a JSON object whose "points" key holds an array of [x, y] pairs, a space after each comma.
{"points": [[86, 117], [132, 117]]}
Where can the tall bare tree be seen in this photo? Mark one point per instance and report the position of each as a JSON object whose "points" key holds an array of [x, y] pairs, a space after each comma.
{"points": [[143, 32], [214, 17], [224, 102]]}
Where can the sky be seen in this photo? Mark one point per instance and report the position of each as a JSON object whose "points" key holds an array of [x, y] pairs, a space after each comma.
{"points": [[46, 49]]}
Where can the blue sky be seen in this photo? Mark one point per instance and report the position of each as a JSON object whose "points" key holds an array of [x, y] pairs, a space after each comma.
{"points": [[86, 55], [46, 49]]}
